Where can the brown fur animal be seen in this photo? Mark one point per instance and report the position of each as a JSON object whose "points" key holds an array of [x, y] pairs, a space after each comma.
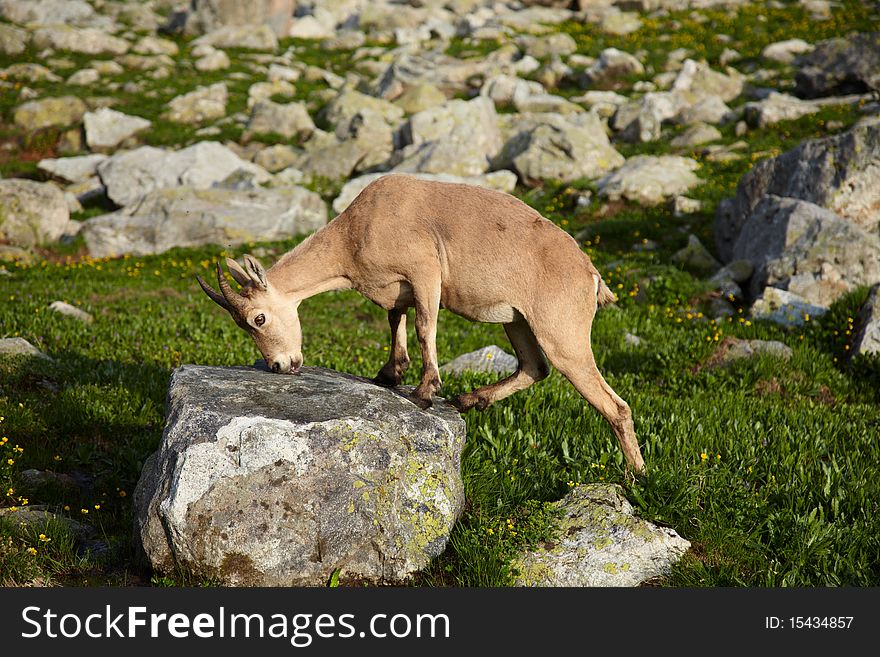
{"points": [[481, 254]]}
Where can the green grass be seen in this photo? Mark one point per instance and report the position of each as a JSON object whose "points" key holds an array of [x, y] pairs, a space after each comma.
{"points": [[768, 467]]}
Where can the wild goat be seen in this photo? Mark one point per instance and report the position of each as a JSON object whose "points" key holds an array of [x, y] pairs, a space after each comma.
{"points": [[482, 254]]}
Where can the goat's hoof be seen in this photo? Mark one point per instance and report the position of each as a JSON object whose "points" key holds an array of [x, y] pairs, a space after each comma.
{"points": [[385, 381], [422, 403], [463, 403]]}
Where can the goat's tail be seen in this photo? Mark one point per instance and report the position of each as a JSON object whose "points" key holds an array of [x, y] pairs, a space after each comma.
{"points": [[604, 296]]}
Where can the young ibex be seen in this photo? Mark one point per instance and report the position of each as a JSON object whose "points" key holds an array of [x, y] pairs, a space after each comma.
{"points": [[481, 254]]}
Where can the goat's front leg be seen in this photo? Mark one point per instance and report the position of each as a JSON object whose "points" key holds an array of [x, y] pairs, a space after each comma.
{"points": [[427, 302], [392, 372]]}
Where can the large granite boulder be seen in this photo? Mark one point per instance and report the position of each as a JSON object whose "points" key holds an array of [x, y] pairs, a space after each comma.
{"points": [[31, 213], [185, 216], [805, 249], [131, 174], [599, 542], [837, 172], [270, 480], [844, 65]]}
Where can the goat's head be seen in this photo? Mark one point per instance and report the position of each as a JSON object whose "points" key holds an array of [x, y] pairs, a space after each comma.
{"points": [[269, 317]]}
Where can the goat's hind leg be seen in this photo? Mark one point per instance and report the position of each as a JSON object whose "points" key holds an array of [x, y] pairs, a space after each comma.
{"points": [[532, 367], [571, 354], [392, 372]]}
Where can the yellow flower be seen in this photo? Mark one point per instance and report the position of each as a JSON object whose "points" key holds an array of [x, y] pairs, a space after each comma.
{"points": [[32, 551], [10, 462], [704, 456], [122, 493], [97, 507], [84, 511], [44, 538]]}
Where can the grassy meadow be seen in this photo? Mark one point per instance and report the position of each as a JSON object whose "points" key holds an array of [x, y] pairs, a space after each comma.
{"points": [[769, 467]]}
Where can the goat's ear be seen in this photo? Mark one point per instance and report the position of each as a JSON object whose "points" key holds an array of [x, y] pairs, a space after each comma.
{"points": [[239, 274], [256, 272]]}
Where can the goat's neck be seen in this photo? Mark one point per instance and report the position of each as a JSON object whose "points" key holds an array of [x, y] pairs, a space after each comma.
{"points": [[315, 266]]}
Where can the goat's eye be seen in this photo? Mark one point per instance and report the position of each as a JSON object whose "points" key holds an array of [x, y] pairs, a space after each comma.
{"points": [[259, 320]]}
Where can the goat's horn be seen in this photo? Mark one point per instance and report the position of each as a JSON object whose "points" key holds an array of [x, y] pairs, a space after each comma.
{"points": [[214, 294], [233, 298]]}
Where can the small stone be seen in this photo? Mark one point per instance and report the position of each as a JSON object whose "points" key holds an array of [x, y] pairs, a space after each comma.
{"points": [[783, 307], [696, 257], [84, 77], [490, 359], [733, 349], [66, 309], [682, 205], [215, 61], [107, 128], [867, 340], [600, 542], [19, 347]]}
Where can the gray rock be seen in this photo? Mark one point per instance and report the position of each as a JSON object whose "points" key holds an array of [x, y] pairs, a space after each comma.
{"points": [[696, 257], [216, 60], [32, 479], [277, 157], [260, 91], [19, 347], [600, 542], [837, 172], [620, 23], [701, 81], [491, 359], [710, 109], [344, 40], [844, 65], [505, 89], [251, 37], [268, 480], [38, 516], [682, 205], [641, 120], [805, 249], [553, 146], [732, 349], [13, 40], [632, 340], [540, 47], [288, 119], [326, 156], [504, 181], [90, 41], [151, 45], [700, 133], [738, 271], [73, 169], [611, 65], [209, 15], [185, 216], [777, 107], [421, 97], [49, 112], [63, 308], [107, 128], [784, 308], [309, 27], [46, 11], [129, 175], [31, 213], [30, 72], [785, 52], [84, 77], [545, 103], [459, 138], [349, 103], [650, 180], [199, 105], [867, 340]]}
